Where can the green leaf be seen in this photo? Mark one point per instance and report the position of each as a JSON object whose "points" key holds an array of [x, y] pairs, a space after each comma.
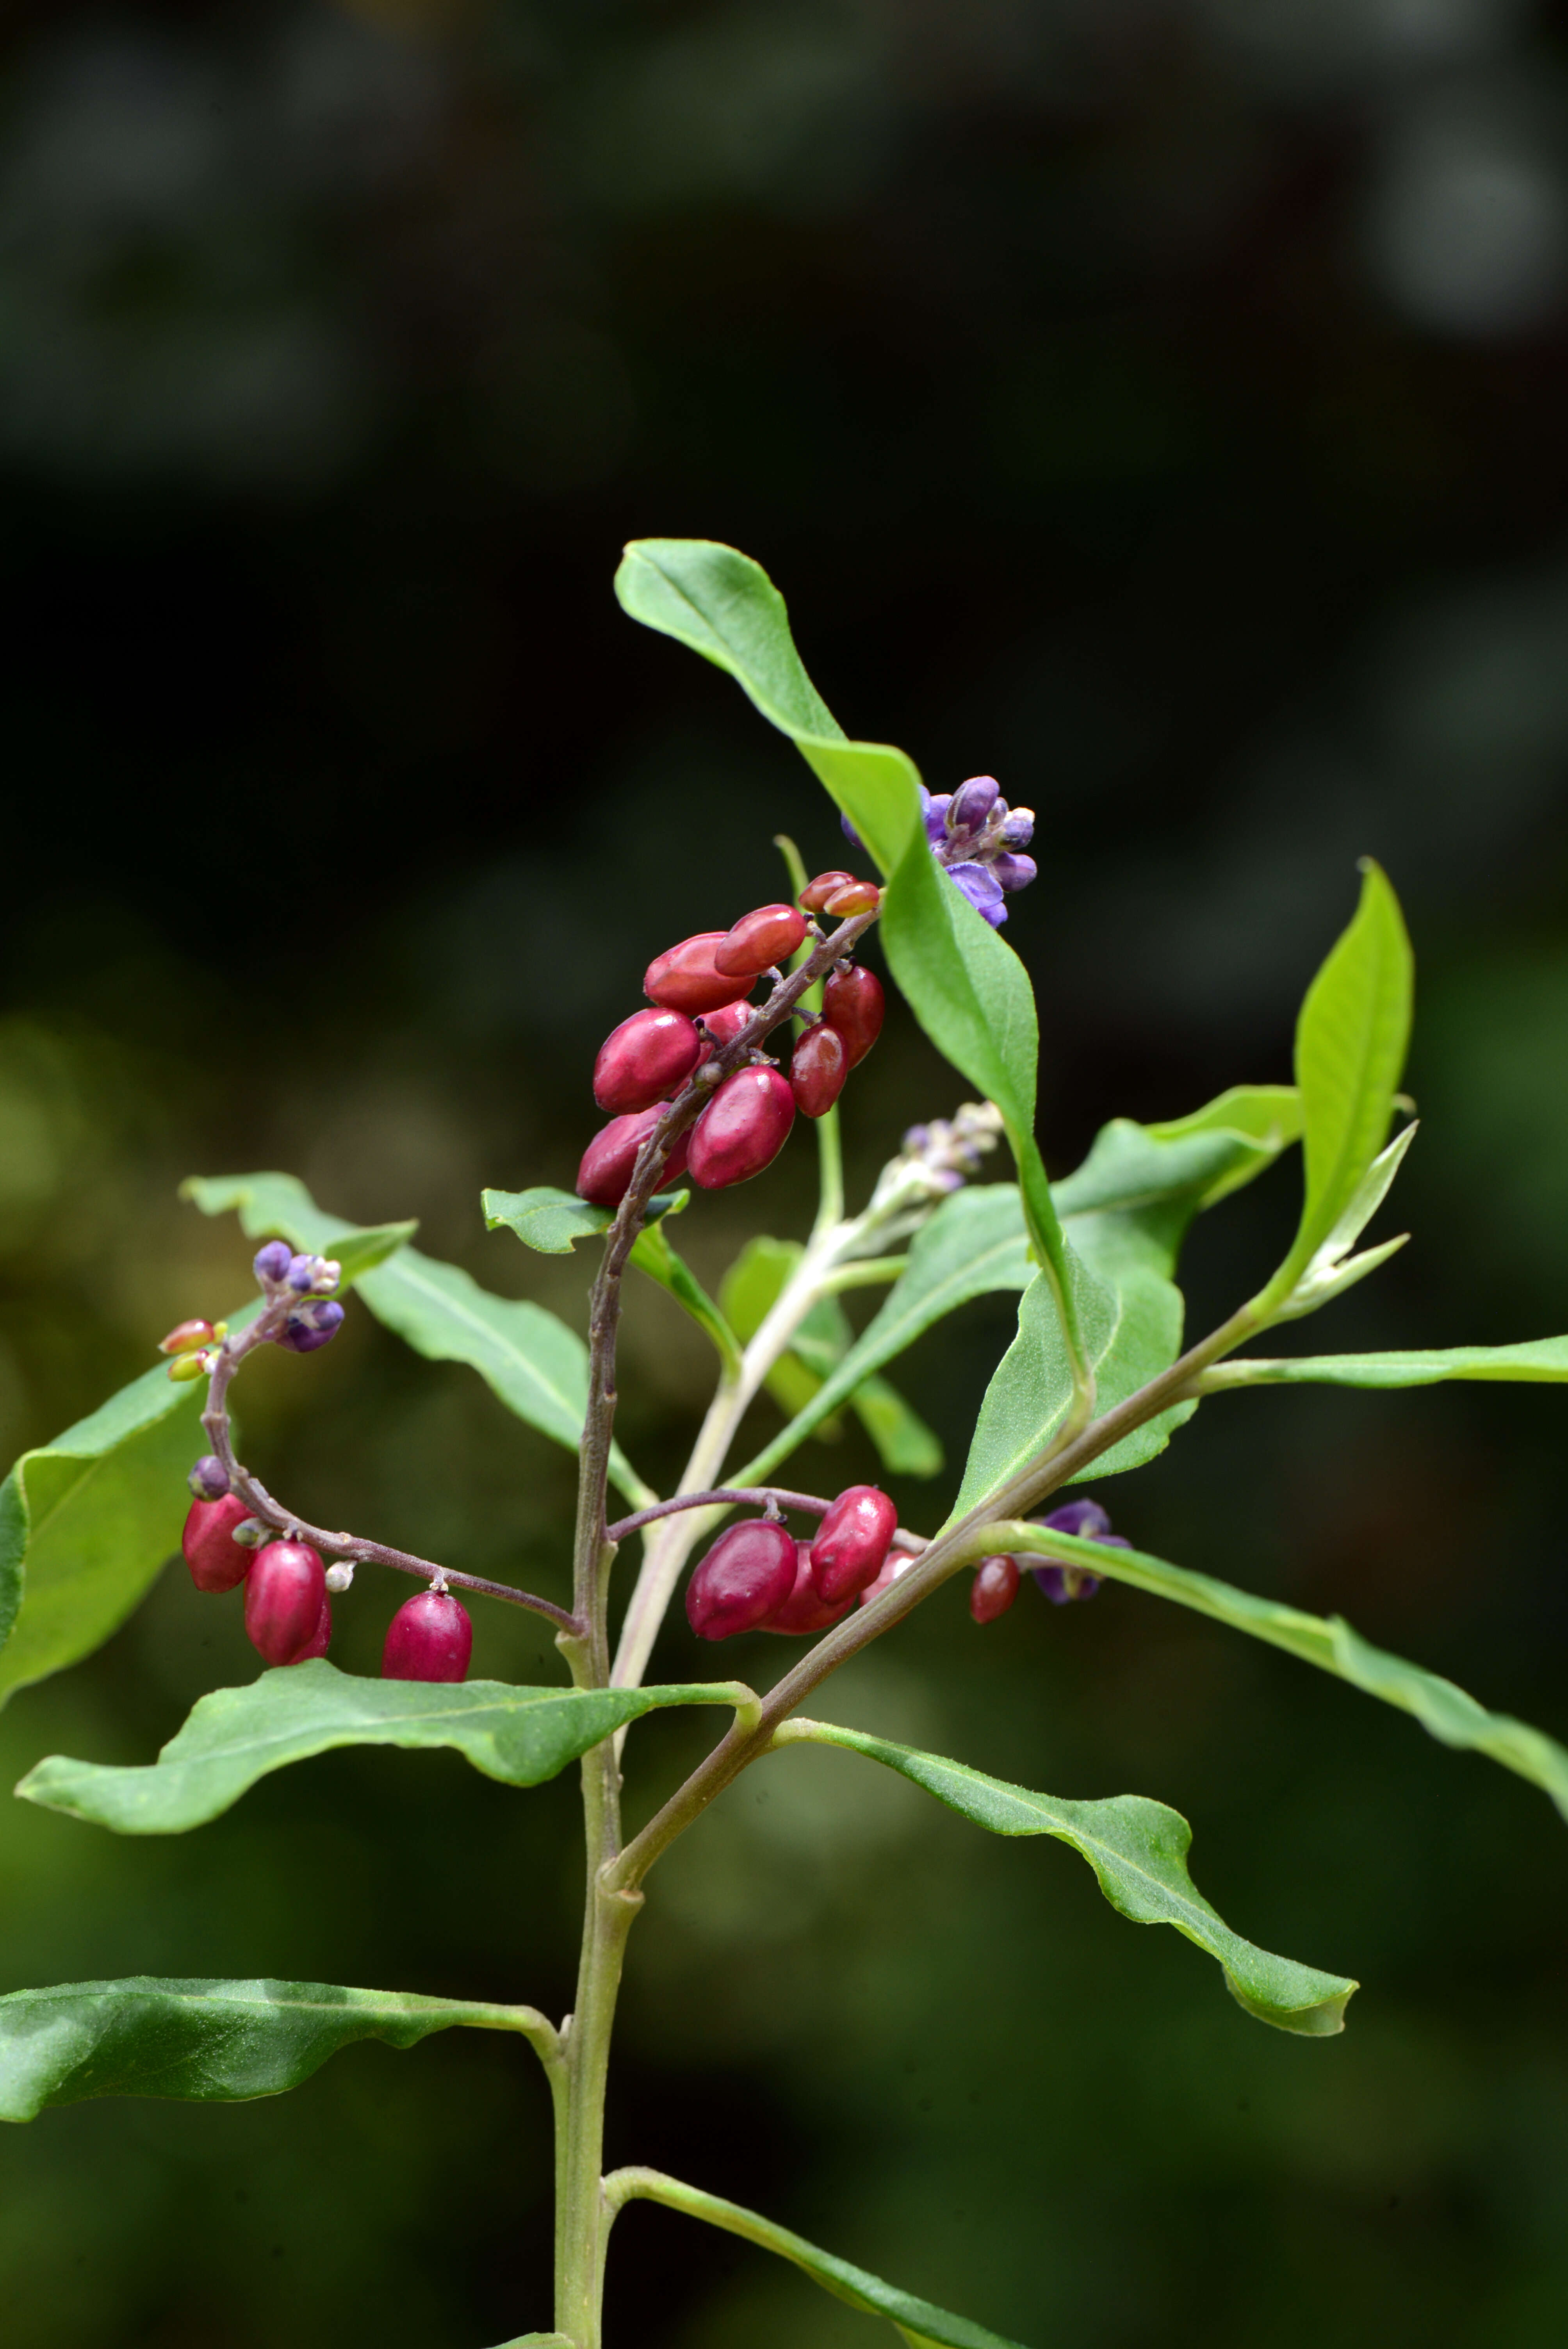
{"points": [[530, 1358], [905, 1446], [213, 2042], [1443, 1710], [965, 986], [920, 2323], [1350, 1046], [279, 1205], [553, 1221], [1266, 1116], [1137, 1850], [653, 1255], [1544, 1360], [235, 1736]]}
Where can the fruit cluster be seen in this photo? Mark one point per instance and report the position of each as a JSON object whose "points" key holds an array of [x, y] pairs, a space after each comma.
{"points": [[758, 1578], [698, 991]]}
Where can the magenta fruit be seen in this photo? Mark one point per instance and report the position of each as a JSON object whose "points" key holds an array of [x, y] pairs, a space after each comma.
{"points": [[645, 1060], [605, 1173], [994, 1588], [684, 978], [898, 1562], [818, 1067], [852, 1544], [816, 894], [806, 1610], [316, 1645], [747, 1574], [853, 1003], [215, 1558], [758, 940], [430, 1637], [285, 1591], [743, 1128]]}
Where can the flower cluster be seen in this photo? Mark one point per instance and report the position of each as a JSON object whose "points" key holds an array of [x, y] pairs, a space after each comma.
{"points": [[318, 1317], [980, 840]]}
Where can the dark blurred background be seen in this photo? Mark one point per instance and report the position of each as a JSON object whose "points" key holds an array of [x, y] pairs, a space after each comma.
{"points": [[1156, 403]]}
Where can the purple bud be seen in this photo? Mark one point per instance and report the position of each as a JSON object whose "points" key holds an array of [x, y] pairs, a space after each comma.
{"points": [[935, 813], [1015, 871], [851, 835], [1086, 1518], [972, 802], [312, 1326], [302, 1271], [207, 1479], [1019, 828], [272, 1261]]}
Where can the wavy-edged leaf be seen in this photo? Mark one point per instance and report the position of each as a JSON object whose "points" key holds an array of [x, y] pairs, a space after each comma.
{"points": [[1137, 1850], [1443, 1709], [923, 2325], [553, 1221], [211, 2042], [1540, 1359], [526, 1357], [964, 984], [234, 1736]]}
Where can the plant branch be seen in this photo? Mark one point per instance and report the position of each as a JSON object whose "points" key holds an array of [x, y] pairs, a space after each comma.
{"points": [[807, 1502]]}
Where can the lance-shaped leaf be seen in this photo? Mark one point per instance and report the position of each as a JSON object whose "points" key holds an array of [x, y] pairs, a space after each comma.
{"points": [[1443, 1710], [553, 1221], [964, 984], [923, 2325], [1137, 1850], [1540, 1359], [1350, 1045], [235, 1736], [530, 1358], [210, 2042]]}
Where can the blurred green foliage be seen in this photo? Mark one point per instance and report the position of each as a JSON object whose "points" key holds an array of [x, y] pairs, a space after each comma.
{"points": [[1159, 406]]}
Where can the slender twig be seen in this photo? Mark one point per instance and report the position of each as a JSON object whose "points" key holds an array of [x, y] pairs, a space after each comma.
{"points": [[260, 1501], [806, 1502]]}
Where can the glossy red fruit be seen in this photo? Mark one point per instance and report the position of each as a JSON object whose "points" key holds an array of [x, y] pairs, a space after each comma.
{"points": [[818, 1067], [285, 1591], [743, 1128], [994, 1588], [806, 1610], [186, 1336], [852, 898], [430, 1637], [816, 894], [899, 1562], [216, 1560], [853, 1003], [852, 1544], [645, 1060], [747, 1574], [605, 1173], [317, 1643], [758, 940], [684, 976]]}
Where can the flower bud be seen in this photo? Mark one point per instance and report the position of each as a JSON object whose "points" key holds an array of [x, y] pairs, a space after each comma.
{"points": [[854, 897], [313, 1325], [186, 1367], [328, 1273], [816, 894], [1018, 829], [935, 813], [805, 1609], [605, 1175], [285, 1591], [186, 1336], [851, 835], [272, 1262], [747, 1574], [684, 978], [301, 1273], [1015, 871], [852, 1544], [208, 1545], [430, 1637], [972, 803], [743, 1128], [251, 1533], [316, 1644], [645, 1060], [209, 1479], [340, 1576], [853, 1003], [1085, 1519], [818, 1067], [994, 1588], [758, 940]]}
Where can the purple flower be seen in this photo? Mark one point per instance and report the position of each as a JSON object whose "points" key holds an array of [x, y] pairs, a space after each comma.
{"points": [[851, 835], [1015, 871], [1086, 1518], [1062, 1584], [1018, 829], [313, 1325], [972, 803], [272, 1262], [934, 809], [980, 885]]}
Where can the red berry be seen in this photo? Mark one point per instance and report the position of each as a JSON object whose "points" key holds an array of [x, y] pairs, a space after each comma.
{"points": [[899, 1562], [216, 1560], [747, 1575], [684, 978], [430, 1637], [758, 940], [853, 897], [816, 894], [743, 1128], [605, 1173], [994, 1588], [852, 1002], [645, 1060], [851, 1544], [186, 1336], [818, 1067], [723, 1025], [285, 1591], [805, 1609], [316, 1644]]}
